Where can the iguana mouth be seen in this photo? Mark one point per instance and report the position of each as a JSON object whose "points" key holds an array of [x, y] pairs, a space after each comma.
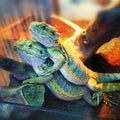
{"points": [[22, 51], [37, 35], [29, 58], [43, 39]]}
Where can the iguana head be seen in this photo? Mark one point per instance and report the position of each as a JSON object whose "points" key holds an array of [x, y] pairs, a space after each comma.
{"points": [[43, 33], [31, 52]]}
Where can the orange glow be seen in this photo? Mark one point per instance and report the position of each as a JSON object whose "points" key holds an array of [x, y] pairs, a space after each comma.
{"points": [[111, 51], [18, 28], [83, 23], [110, 114], [64, 30], [9, 33], [93, 83]]}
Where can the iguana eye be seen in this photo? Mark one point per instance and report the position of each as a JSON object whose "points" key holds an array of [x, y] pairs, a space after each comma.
{"points": [[52, 32], [41, 52], [43, 26], [29, 45]]}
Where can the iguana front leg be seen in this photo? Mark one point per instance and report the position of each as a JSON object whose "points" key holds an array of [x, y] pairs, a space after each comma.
{"points": [[58, 57], [12, 90], [40, 79]]}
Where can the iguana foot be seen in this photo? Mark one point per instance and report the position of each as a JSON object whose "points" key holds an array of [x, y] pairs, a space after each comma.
{"points": [[93, 99], [98, 96]]}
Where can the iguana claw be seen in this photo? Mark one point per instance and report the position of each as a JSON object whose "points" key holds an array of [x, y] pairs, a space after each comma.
{"points": [[98, 95], [111, 100]]}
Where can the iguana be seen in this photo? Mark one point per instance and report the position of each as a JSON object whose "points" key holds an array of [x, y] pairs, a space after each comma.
{"points": [[30, 51], [73, 68]]}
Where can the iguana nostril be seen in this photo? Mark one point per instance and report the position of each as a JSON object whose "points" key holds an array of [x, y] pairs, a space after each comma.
{"points": [[29, 45], [53, 33], [41, 52], [44, 27]]}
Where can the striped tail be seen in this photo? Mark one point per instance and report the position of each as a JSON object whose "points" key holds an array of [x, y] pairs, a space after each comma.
{"points": [[13, 66], [109, 87], [108, 77]]}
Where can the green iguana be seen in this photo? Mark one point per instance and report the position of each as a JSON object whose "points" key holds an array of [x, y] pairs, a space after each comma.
{"points": [[31, 52], [73, 68]]}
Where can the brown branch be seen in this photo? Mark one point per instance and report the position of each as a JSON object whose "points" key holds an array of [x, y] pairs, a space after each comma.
{"points": [[105, 27]]}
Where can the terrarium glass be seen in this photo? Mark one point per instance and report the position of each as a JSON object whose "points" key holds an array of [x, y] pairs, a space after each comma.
{"points": [[15, 18]]}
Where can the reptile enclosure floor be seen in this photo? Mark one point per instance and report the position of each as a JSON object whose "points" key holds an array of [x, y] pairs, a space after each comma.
{"points": [[54, 108]]}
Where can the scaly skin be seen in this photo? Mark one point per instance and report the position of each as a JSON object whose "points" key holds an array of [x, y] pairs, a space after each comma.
{"points": [[52, 34], [59, 86], [73, 70]]}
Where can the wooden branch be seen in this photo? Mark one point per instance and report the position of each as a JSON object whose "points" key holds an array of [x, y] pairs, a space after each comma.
{"points": [[105, 27]]}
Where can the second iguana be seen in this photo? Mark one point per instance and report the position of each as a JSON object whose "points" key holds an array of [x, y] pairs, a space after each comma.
{"points": [[66, 57], [30, 51]]}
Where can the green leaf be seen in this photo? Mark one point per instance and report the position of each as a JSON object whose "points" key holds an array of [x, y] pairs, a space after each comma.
{"points": [[34, 94]]}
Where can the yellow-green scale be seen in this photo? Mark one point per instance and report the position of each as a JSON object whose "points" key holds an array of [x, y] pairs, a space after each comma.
{"points": [[61, 86]]}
